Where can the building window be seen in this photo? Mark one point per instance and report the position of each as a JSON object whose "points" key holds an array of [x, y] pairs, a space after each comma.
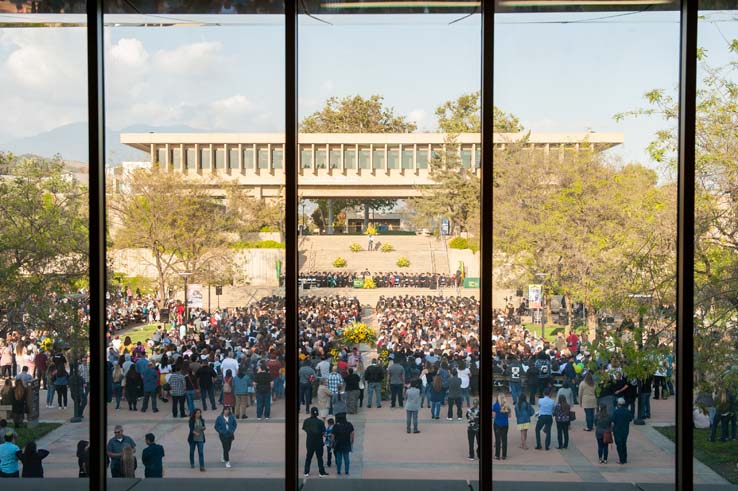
{"points": [[320, 158], [335, 159], [422, 158], [407, 158], [349, 157], [219, 158], [161, 156], [205, 158], [233, 158], [379, 159], [393, 158], [306, 159], [277, 158], [364, 158], [263, 158], [478, 158], [176, 158], [191, 159], [466, 155], [248, 158]]}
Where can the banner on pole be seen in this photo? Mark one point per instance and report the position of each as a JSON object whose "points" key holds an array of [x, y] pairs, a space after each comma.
{"points": [[534, 296], [194, 296]]}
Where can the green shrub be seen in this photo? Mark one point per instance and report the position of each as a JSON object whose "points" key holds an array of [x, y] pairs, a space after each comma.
{"points": [[339, 262], [386, 247], [403, 262], [458, 243], [355, 247]]}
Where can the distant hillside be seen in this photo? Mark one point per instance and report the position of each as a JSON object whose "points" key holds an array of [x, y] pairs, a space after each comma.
{"points": [[70, 141]]}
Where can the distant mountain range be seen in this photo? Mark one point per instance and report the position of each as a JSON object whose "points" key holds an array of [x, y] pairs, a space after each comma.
{"points": [[70, 141]]}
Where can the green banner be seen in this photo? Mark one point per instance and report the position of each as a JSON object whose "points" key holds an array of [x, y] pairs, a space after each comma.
{"points": [[471, 282], [359, 283]]}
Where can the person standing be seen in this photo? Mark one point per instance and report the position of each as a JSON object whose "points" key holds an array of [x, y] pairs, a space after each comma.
{"points": [[324, 399], [343, 440], [588, 400], [263, 384], [31, 459], [60, 384], [177, 386], [307, 377], [196, 439], [523, 412], [513, 370], [117, 382], [603, 426], [205, 377], [374, 375], [472, 429], [396, 381], [412, 406], [351, 382], [563, 420], [621, 419], [545, 418], [114, 450], [241, 384], [437, 394], [501, 413], [152, 457], [150, 384], [9, 457], [454, 395], [314, 429], [225, 425], [229, 399]]}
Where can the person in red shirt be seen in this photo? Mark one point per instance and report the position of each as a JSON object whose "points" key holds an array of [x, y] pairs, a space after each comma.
{"points": [[274, 367], [572, 341]]}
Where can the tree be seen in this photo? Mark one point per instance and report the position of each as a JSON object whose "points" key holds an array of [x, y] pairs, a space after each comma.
{"points": [[355, 114], [43, 245], [716, 213], [183, 226], [463, 115]]}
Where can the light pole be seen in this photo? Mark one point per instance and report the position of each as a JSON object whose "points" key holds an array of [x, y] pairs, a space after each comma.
{"points": [[184, 275]]}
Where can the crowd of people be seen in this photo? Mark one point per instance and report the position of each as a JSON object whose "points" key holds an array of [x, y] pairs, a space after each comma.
{"points": [[333, 279]]}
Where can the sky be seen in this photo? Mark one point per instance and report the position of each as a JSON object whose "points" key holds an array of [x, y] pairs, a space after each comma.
{"points": [[556, 72]]}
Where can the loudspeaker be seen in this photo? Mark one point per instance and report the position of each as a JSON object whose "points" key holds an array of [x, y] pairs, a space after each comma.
{"points": [[519, 292], [219, 290], [163, 315]]}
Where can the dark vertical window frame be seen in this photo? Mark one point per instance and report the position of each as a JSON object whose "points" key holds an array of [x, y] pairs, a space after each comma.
{"points": [[685, 244], [292, 429], [96, 142], [486, 246]]}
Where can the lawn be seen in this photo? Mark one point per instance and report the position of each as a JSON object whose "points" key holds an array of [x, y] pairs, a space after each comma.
{"points": [[718, 456], [26, 435], [549, 330], [140, 333]]}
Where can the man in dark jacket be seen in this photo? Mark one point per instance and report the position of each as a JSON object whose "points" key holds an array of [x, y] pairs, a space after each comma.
{"points": [[621, 419], [374, 375], [314, 429], [152, 457], [205, 375]]}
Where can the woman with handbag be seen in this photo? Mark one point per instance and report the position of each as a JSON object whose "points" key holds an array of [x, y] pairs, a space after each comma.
{"points": [[603, 432], [562, 415], [196, 439]]}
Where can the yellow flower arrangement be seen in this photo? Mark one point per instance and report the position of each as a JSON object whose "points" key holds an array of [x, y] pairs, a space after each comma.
{"points": [[358, 333], [369, 283]]}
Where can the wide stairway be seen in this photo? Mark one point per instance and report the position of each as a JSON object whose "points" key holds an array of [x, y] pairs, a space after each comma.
{"points": [[426, 254]]}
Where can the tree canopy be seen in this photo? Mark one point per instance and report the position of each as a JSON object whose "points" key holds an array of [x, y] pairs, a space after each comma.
{"points": [[355, 114]]}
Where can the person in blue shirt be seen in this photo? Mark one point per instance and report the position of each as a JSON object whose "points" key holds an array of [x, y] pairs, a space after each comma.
{"points": [[501, 411], [523, 412], [8, 457], [225, 425], [150, 383], [621, 419], [152, 457], [545, 418]]}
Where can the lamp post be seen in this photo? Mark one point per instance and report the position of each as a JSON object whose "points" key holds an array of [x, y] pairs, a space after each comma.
{"points": [[184, 275]]}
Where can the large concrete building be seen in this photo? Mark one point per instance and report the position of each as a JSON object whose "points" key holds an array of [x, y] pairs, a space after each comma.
{"points": [[338, 165]]}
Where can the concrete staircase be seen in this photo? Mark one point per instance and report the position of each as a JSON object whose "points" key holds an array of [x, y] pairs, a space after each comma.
{"points": [[426, 254]]}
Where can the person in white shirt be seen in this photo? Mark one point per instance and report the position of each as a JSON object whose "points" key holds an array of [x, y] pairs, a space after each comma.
{"points": [[229, 363], [464, 374]]}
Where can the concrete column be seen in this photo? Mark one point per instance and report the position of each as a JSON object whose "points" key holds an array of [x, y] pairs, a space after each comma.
{"points": [[329, 226]]}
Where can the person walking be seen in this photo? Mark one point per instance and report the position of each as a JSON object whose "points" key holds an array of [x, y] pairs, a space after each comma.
{"points": [[31, 459], [314, 429], [114, 450], [545, 418], [196, 439], [152, 457], [501, 414], [374, 375], [588, 400], [621, 419], [343, 440], [603, 432], [563, 420], [225, 425], [523, 412], [412, 406], [472, 429]]}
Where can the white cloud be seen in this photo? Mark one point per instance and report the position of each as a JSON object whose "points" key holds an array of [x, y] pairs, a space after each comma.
{"points": [[422, 119], [189, 58], [129, 52]]}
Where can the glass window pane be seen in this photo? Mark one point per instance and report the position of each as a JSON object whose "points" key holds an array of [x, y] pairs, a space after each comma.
{"points": [[306, 159], [191, 159], [320, 158], [176, 158], [478, 158], [379, 158], [407, 159], [219, 158], [205, 158], [263, 158], [233, 158], [161, 156], [364, 158], [350, 159], [277, 158], [393, 158], [248, 158], [422, 158], [466, 155], [335, 159]]}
